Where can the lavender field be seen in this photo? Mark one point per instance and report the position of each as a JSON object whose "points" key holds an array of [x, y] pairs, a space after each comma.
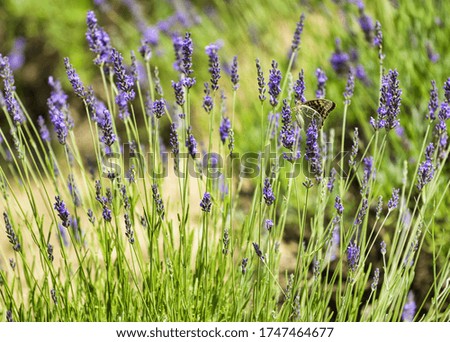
{"points": [[224, 161]]}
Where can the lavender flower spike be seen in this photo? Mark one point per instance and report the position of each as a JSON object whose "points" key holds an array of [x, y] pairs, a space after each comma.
{"points": [[321, 81], [224, 129], [312, 152], [274, 83], [234, 74], [409, 310], [393, 202], [191, 143], [268, 195], [186, 60], [74, 79], [296, 40], [299, 88], [349, 87], [261, 82], [433, 105], [11, 103], [105, 124], [287, 134], [63, 213], [98, 40], [353, 252], [426, 169], [206, 203], [10, 233], [214, 65]]}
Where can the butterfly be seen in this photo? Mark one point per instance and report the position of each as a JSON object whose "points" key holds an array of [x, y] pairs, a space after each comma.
{"points": [[317, 109]]}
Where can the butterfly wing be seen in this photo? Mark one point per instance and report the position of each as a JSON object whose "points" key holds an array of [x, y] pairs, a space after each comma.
{"points": [[318, 109]]}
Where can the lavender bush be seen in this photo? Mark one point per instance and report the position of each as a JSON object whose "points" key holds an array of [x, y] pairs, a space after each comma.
{"points": [[150, 212]]}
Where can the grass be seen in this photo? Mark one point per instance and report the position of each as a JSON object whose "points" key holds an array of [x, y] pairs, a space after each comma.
{"points": [[152, 248]]}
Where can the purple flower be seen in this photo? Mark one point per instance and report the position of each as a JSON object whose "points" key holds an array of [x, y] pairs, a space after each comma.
{"points": [[365, 22], [369, 173], [444, 112], [339, 60], [179, 93], [106, 126], [187, 49], [106, 213], [74, 79], [321, 81], [409, 310], [390, 100], [362, 212], [338, 205], [208, 102], [376, 279], [354, 152], [353, 252], [58, 120], [129, 233], [159, 204], [378, 40], [125, 84], [274, 83], [393, 202], [383, 247], [145, 51], [43, 130], [433, 104], [268, 195], [432, 55], [426, 169], [16, 55], [331, 179], [224, 129], [191, 143], [12, 105], [361, 75], [299, 88], [268, 224], [159, 108], [10, 233], [296, 40], [447, 90], [206, 203], [98, 40], [214, 65], [258, 251], [261, 82], [287, 134], [63, 213], [349, 87], [312, 152], [177, 42], [234, 73], [173, 140], [244, 265]]}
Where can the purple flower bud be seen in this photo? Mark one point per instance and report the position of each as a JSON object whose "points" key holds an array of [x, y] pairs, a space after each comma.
{"points": [[287, 134], [268, 224], [159, 108], [312, 152], [426, 169], [74, 79], [321, 81], [214, 65], [366, 23], [159, 204], [393, 202], [224, 129], [106, 213], [299, 88], [16, 55], [208, 102], [105, 124], [244, 265], [258, 251], [191, 143], [338, 205], [296, 40], [63, 213], [98, 40], [349, 87], [206, 203], [261, 82], [234, 74], [362, 212], [340, 60], [43, 130], [433, 104], [274, 83], [432, 55], [10, 233], [409, 310], [268, 195], [179, 92], [12, 105], [331, 179], [447, 90], [353, 252], [369, 173]]}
